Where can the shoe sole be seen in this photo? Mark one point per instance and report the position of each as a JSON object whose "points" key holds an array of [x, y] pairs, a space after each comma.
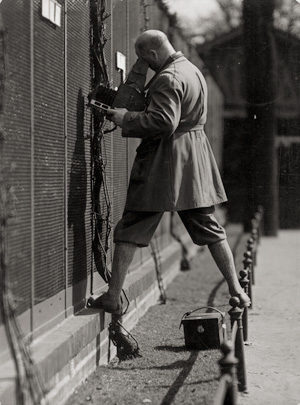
{"points": [[96, 303]]}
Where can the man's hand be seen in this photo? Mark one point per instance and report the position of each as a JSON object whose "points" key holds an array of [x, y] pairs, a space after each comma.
{"points": [[116, 115]]}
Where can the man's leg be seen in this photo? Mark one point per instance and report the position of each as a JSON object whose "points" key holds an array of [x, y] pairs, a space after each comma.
{"points": [[204, 229], [135, 229], [123, 257], [223, 257]]}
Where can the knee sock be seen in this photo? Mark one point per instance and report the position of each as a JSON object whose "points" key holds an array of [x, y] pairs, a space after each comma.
{"points": [[223, 257], [123, 256]]}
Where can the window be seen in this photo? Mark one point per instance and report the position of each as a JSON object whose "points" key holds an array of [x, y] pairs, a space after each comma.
{"points": [[51, 10]]}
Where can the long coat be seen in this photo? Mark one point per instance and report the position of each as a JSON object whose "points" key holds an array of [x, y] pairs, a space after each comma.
{"points": [[174, 168]]}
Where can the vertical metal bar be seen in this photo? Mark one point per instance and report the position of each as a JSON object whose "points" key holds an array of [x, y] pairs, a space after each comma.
{"points": [[32, 160], [245, 324], [66, 155], [236, 316], [244, 282], [127, 69], [227, 387], [247, 266], [92, 72], [112, 67], [239, 353]]}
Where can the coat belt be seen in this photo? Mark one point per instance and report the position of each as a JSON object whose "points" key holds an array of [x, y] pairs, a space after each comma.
{"points": [[180, 130]]}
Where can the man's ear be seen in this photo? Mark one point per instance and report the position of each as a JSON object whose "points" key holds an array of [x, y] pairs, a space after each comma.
{"points": [[153, 54]]}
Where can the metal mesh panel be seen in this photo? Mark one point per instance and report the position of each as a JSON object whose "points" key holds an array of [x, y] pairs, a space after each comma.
{"points": [[104, 200], [17, 147], [78, 128], [48, 157], [107, 144], [124, 24], [134, 29], [120, 38], [135, 13]]}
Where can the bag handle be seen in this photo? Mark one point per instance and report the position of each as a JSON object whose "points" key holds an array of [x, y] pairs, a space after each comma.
{"points": [[198, 309]]}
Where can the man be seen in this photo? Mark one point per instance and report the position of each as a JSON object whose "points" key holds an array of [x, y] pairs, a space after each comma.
{"points": [[174, 169]]}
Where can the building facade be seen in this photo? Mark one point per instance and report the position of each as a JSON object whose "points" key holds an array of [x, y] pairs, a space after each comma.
{"points": [[48, 70], [225, 58]]}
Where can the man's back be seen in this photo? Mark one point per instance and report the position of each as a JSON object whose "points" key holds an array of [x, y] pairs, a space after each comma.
{"points": [[194, 91]]}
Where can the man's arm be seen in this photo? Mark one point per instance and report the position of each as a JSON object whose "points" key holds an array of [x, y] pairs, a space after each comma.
{"points": [[161, 117]]}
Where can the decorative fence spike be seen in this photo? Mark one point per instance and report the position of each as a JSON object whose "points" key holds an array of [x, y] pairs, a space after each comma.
{"points": [[254, 236], [236, 323], [248, 266], [227, 389], [250, 248], [233, 367], [244, 282]]}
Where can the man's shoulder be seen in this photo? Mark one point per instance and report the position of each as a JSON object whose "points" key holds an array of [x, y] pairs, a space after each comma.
{"points": [[179, 71], [183, 64], [167, 77]]}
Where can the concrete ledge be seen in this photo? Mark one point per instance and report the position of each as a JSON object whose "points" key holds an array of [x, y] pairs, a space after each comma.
{"points": [[67, 354]]}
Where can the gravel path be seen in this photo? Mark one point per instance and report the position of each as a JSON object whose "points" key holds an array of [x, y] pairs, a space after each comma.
{"points": [[167, 373]]}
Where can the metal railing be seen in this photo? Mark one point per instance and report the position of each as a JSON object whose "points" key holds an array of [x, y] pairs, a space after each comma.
{"points": [[232, 364]]}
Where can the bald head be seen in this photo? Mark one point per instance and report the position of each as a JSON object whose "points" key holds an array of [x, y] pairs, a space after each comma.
{"points": [[154, 47], [151, 39]]}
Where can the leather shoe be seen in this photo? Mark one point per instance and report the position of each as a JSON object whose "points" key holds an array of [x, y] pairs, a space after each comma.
{"points": [[107, 303]]}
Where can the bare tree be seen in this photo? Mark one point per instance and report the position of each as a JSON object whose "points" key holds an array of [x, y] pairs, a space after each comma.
{"points": [[229, 17], [203, 29], [287, 16]]}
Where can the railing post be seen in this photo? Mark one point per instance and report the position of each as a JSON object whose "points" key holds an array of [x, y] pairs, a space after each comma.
{"points": [[236, 316], [254, 236], [228, 371], [248, 266], [259, 216], [244, 282], [254, 223], [250, 249]]}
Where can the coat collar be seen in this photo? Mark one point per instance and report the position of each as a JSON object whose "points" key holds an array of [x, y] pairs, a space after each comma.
{"points": [[168, 62]]}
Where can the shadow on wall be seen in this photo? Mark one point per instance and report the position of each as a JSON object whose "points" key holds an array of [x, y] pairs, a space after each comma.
{"points": [[76, 212]]}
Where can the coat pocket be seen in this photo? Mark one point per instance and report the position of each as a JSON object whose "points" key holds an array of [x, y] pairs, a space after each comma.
{"points": [[145, 154]]}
